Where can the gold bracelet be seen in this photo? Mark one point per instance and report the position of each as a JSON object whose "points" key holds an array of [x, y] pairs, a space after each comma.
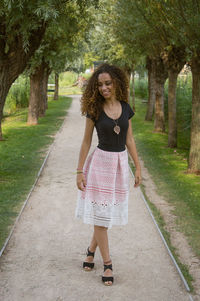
{"points": [[79, 171]]}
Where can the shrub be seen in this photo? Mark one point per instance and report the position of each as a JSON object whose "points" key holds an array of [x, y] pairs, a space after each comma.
{"points": [[141, 88], [67, 78], [18, 96]]}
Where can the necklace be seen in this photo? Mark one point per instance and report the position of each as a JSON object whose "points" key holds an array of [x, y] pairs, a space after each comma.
{"points": [[116, 128]]}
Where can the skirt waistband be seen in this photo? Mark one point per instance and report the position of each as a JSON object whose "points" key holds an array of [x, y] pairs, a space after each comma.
{"points": [[110, 152]]}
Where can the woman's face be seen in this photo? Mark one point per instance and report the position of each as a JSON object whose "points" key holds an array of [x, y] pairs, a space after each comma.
{"points": [[106, 86]]}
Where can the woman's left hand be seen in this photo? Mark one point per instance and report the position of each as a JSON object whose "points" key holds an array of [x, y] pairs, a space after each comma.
{"points": [[138, 177]]}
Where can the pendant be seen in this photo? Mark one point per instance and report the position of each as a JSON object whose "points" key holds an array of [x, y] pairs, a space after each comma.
{"points": [[117, 129]]}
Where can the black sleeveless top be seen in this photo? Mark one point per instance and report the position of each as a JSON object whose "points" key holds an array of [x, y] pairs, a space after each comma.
{"points": [[108, 139]]}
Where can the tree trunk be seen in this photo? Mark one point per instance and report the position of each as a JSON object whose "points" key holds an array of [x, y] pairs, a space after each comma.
{"points": [[13, 63], [159, 122], [5, 85], [172, 124], [160, 78], [133, 90], [43, 104], [35, 97], [38, 93], [43, 96], [151, 88], [174, 59], [47, 80], [56, 86], [194, 155], [127, 71]]}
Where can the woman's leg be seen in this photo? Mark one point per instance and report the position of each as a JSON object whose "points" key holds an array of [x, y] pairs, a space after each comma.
{"points": [[92, 248], [93, 244], [101, 237]]}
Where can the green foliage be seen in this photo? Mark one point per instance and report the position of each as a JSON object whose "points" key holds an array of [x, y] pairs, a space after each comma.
{"points": [[184, 105], [23, 17], [141, 88], [184, 101], [67, 78], [103, 43], [64, 38], [90, 58], [182, 19], [132, 29], [18, 96]]}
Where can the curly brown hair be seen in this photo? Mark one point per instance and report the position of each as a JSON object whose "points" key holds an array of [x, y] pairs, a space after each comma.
{"points": [[92, 101]]}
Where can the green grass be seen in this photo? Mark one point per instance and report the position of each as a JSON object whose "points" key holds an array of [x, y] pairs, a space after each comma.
{"points": [[70, 90], [66, 81], [22, 153], [168, 168]]}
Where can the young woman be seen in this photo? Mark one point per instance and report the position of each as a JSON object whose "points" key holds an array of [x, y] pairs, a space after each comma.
{"points": [[103, 179]]}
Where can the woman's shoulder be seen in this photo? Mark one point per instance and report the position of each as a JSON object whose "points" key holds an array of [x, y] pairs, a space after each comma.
{"points": [[124, 104], [127, 108]]}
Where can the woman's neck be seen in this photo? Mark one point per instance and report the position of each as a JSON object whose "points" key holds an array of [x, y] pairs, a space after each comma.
{"points": [[110, 102]]}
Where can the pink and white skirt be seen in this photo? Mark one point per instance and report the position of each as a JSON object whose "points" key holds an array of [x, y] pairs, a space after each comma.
{"points": [[105, 199]]}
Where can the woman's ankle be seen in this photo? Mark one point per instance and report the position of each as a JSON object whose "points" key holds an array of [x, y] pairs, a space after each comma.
{"points": [[92, 250]]}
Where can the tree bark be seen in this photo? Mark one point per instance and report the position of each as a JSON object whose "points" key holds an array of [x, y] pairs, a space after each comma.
{"points": [[38, 93], [160, 78], [133, 90], [5, 85], [43, 96], [47, 80], [174, 59], [151, 89], [56, 86], [127, 71], [13, 63], [172, 122], [34, 100], [194, 155], [159, 122], [43, 104]]}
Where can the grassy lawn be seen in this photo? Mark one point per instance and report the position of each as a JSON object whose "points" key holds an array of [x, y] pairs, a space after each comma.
{"points": [[168, 168], [22, 153]]}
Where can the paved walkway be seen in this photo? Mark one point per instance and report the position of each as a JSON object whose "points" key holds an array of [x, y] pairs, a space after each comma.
{"points": [[44, 257]]}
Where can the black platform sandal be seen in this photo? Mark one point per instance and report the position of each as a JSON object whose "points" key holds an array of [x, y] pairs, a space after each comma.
{"points": [[108, 278], [89, 265]]}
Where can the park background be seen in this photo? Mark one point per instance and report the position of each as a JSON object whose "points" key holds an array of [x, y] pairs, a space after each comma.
{"points": [[48, 51]]}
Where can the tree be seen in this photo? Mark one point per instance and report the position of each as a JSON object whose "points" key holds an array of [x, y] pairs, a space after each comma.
{"points": [[170, 29], [133, 31], [103, 44], [61, 43], [173, 56], [182, 19], [148, 32], [22, 28]]}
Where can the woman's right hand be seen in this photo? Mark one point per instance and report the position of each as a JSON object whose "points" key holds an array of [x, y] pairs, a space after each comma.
{"points": [[80, 181]]}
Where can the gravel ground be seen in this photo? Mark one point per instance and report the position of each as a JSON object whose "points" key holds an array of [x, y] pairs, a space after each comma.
{"points": [[43, 260]]}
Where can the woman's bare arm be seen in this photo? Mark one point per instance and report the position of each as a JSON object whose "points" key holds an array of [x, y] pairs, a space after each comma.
{"points": [[130, 143], [85, 147]]}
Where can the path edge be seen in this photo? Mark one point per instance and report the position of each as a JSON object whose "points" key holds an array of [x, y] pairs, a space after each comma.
{"points": [[34, 184]]}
